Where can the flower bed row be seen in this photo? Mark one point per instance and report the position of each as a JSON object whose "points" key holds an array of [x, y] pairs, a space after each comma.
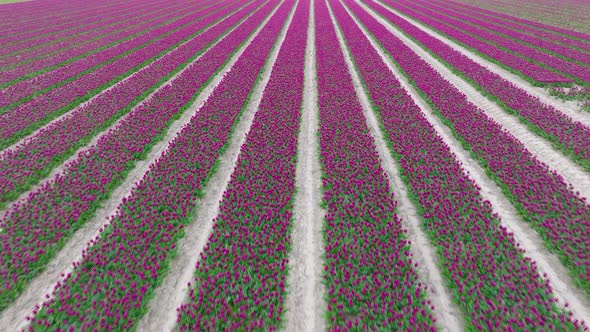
{"points": [[37, 228], [88, 22], [39, 50], [492, 282], [565, 53], [541, 196], [581, 94], [529, 71], [16, 43], [241, 275], [544, 27], [369, 275], [571, 137], [41, 83], [44, 63], [465, 33], [44, 13], [561, 39], [28, 163], [110, 287], [29, 86], [24, 119]]}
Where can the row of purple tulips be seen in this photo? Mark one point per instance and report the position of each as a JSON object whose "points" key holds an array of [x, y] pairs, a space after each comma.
{"points": [[15, 17], [541, 196], [560, 39], [489, 43], [573, 138], [30, 85], [19, 42], [566, 53], [28, 69], [526, 69], [241, 275], [38, 227], [538, 25], [20, 121], [24, 166], [487, 273], [370, 278], [110, 287]]}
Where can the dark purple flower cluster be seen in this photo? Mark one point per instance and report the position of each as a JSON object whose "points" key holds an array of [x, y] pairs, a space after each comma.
{"points": [[241, 275], [110, 286], [21, 167], [17, 121], [540, 195], [370, 278], [496, 286], [35, 229]]}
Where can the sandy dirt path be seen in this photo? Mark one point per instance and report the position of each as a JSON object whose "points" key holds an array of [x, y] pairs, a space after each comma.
{"points": [[305, 303]]}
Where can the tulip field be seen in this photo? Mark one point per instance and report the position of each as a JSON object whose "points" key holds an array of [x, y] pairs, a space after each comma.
{"points": [[298, 165]]}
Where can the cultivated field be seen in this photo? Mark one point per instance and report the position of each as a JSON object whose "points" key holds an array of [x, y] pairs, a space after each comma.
{"points": [[299, 165]]}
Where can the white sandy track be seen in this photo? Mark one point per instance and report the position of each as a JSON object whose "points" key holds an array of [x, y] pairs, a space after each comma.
{"points": [[569, 108], [305, 305], [528, 238], [14, 317], [69, 113], [571, 172], [61, 168], [161, 314], [448, 316]]}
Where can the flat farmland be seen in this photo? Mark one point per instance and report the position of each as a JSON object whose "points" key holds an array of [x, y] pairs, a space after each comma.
{"points": [[297, 165]]}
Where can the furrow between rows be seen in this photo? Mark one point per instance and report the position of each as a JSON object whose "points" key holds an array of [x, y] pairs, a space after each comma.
{"points": [[304, 303]]}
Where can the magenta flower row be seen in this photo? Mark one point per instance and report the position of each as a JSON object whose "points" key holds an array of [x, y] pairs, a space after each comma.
{"points": [[241, 275], [42, 51], [37, 228], [504, 32], [27, 70], [544, 27], [525, 67], [492, 282], [110, 286], [370, 277], [28, 162], [466, 34], [91, 27], [82, 61], [540, 195], [574, 137], [540, 34], [22, 17], [59, 100]]}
